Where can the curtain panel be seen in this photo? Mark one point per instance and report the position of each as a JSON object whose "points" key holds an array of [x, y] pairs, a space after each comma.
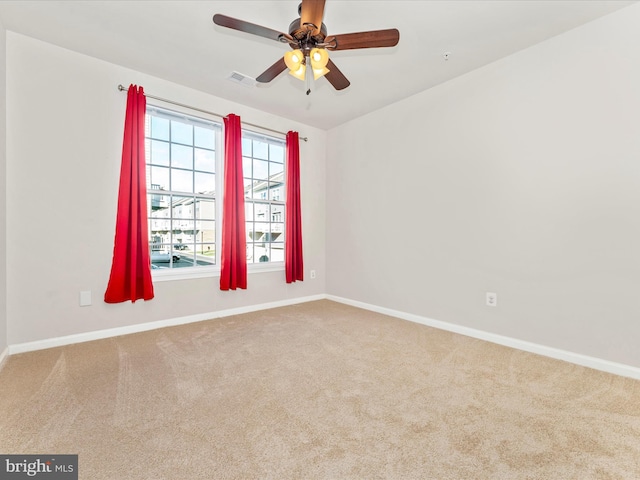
{"points": [[233, 258], [293, 264], [130, 277]]}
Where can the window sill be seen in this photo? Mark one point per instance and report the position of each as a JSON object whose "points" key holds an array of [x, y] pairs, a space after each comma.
{"points": [[171, 274]]}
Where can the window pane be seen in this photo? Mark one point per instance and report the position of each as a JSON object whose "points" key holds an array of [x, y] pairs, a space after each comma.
{"points": [[205, 160], [156, 201], [159, 153], [181, 133], [182, 234], [182, 209], [260, 150], [181, 156], [182, 245], [276, 153], [181, 180], [158, 206], [205, 209], [276, 191], [204, 137], [206, 254], [249, 231], [248, 187], [205, 182], [277, 213], [205, 231], [160, 128], [262, 212], [246, 167], [249, 252], [261, 232], [275, 168], [277, 252], [246, 147], [277, 231], [262, 253], [159, 178], [260, 170], [260, 190], [248, 212]]}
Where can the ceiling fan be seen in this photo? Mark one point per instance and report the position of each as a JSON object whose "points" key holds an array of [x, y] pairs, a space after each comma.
{"points": [[310, 44]]}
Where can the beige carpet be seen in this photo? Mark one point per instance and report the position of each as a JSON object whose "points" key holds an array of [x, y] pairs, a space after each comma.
{"points": [[318, 390]]}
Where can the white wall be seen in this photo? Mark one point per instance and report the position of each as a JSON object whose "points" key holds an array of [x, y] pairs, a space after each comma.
{"points": [[64, 140], [521, 178], [3, 169]]}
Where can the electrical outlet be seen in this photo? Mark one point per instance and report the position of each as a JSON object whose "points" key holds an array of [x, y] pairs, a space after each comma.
{"points": [[492, 299], [312, 274]]}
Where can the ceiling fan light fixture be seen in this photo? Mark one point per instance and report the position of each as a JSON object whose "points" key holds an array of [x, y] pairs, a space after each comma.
{"points": [[294, 59]]}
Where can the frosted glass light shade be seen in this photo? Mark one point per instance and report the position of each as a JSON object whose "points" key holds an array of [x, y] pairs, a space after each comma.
{"points": [[299, 73], [319, 72], [319, 58], [293, 59]]}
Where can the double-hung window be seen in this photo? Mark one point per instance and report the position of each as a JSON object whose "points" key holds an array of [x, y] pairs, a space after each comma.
{"points": [[184, 169], [263, 170]]}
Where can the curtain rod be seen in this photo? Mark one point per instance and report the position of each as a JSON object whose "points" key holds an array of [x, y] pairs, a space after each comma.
{"points": [[125, 89]]}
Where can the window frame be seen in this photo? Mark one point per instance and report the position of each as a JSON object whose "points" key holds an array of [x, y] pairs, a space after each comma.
{"points": [[249, 134], [193, 272]]}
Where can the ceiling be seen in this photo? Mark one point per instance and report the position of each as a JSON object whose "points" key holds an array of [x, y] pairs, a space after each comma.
{"points": [[178, 41]]}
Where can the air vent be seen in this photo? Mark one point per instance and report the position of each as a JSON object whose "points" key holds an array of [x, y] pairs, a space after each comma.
{"points": [[242, 79]]}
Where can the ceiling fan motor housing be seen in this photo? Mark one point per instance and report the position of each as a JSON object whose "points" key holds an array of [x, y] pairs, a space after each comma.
{"points": [[301, 35]]}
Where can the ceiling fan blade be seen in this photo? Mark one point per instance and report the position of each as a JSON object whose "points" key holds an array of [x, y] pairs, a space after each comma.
{"points": [[336, 77], [372, 39], [248, 27], [312, 12], [272, 72]]}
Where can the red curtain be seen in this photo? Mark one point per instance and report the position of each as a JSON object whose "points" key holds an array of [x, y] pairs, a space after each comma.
{"points": [[233, 258], [130, 277], [293, 266]]}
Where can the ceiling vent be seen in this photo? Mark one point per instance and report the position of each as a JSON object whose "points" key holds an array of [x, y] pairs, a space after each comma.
{"points": [[242, 79]]}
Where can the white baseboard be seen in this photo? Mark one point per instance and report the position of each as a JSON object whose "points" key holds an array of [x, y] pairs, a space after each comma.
{"points": [[143, 327], [571, 357]]}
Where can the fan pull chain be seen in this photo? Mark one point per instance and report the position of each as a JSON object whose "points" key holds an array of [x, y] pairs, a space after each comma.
{"points": [[307, 76]]}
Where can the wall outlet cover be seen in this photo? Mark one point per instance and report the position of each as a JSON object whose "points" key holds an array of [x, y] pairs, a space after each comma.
{"points": [[492, 299]]}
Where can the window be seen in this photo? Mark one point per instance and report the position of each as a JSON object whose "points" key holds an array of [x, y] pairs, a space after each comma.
{"points": [[184, 162], [263, 169]]}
